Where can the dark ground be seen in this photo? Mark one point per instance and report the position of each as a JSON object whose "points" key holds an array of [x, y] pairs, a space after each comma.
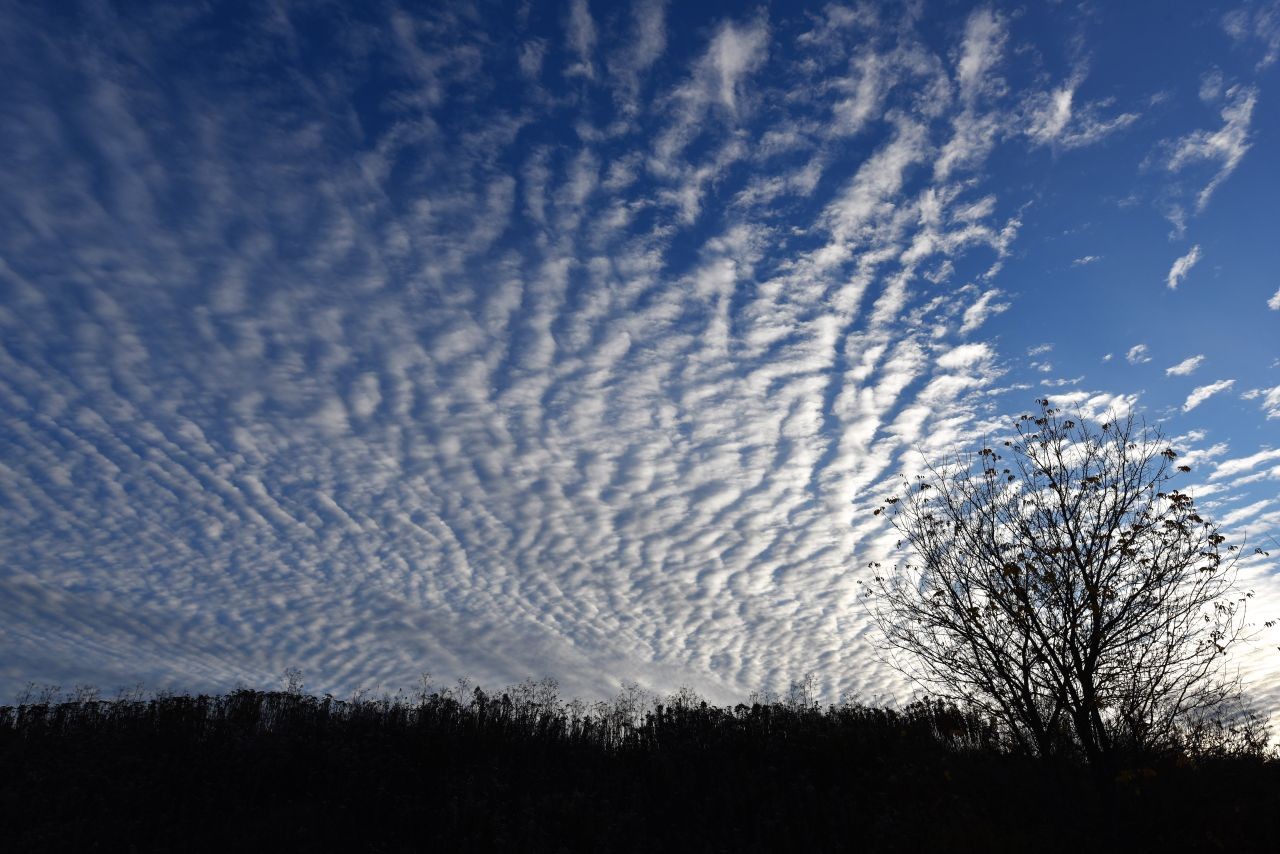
{"points": [[260, 771]]}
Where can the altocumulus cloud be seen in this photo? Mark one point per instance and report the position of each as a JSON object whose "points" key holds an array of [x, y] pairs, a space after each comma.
{"points": [[577, 346]]}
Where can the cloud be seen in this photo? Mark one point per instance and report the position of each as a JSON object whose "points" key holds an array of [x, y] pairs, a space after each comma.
{"points": [[581, 34], [982, 309], [531, 56], [1256, 22], [463, 365], [1274, 302], [1202, 393], [975, 129], [866, 90], [984, 40], [1211, 86], [735, 52], [454, 400], [709, 102], [964, 355], [1185, 367], [1137, 354], [1039, 365], [1269, 397], [1085, 260], [1181, 267], [1240, 514], [647, 42], [1053, 118], [868, 198], [1049, 117], [1223, 148], [1240, 465]]}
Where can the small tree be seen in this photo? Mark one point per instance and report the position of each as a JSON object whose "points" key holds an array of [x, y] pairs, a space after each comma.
{"points": [[1062, 586]]}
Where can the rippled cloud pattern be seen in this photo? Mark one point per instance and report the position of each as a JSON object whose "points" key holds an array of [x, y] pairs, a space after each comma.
{"points": [[509, 340]]}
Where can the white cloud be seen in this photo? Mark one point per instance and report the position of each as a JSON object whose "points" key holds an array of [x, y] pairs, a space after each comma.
{"points": [[1089, 128], [1181, 267], [964, 355], [735, 52], [870, 195], [1052, 118], [1270, 398], [1185, 367], [1256, 21], [581, 34], [531, 56], [982, 309], [650, 33], [467, 401], [1231, 468], [1211, 86], [1240, 514], [984, 39], [1096, 406], [1137, 354], [975, 129], [1224, 148], [709, 103], [864, 93], [1085, 260], [1049, 118], [1202, 393], [1274, 302]]}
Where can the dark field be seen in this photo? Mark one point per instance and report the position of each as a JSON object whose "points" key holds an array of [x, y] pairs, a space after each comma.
{"points": [[522, 771]]}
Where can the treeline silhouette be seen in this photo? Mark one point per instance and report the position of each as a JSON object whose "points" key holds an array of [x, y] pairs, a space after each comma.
{"points": [[522, 770]]}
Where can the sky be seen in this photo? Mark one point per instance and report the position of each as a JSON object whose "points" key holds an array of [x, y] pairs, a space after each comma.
{"points": [[579, 339]]}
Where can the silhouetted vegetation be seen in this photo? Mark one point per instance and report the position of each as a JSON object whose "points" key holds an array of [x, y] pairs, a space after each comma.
{"points": [[523, 770], [1070, 591]]}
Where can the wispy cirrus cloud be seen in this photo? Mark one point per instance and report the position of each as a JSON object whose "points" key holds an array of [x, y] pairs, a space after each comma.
{"points": [[1057, 118], [1222, 149], [1256, 22]]}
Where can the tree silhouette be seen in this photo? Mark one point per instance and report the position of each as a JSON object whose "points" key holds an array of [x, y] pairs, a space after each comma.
{"points": [[1061, 585]]}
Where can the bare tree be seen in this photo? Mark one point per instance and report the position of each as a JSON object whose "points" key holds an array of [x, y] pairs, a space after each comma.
{"points": [[1061, 585]]}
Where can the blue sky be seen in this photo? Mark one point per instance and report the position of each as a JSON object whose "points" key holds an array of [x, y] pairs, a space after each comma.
{"points": [[575, 339]]}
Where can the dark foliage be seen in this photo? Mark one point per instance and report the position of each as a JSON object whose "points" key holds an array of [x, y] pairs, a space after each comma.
{"points": [[462, 770]]}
